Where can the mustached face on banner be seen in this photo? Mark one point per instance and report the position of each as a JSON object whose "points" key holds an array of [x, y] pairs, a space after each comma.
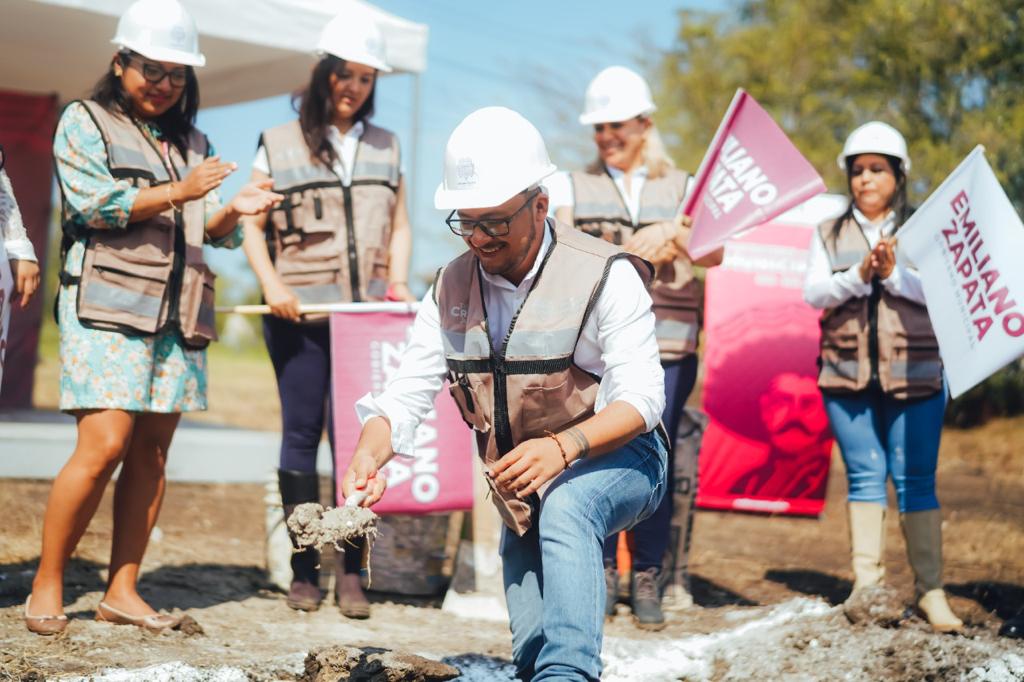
{"points": [[766, 357], [794, 414]]}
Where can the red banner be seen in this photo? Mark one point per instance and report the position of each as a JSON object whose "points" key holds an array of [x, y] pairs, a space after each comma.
{"points": [[366, 349], [26, 133], [750, 174], [768, 445]]}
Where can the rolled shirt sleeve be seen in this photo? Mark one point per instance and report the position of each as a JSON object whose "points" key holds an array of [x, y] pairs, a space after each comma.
{"points": [[409, 396], [622, 328]]}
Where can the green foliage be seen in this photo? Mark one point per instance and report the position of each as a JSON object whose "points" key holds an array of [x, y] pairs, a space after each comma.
{"points": [[1001, 395], [947, 75]]}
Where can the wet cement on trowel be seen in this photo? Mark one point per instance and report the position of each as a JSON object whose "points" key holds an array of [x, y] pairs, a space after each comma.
{"points": [[313, 526]]}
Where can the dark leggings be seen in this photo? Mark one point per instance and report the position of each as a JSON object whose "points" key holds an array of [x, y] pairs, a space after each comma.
{"points": [[650, 536], [301, 355]]}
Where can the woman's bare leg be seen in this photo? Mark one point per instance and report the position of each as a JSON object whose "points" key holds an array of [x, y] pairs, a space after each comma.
{"points": [[103, 437], [138, 494]]}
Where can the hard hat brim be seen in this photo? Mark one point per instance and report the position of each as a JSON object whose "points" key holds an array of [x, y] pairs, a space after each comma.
{"points": [[843, 156], [365, 61], [455, 199], [163, 55], [611, 116]]}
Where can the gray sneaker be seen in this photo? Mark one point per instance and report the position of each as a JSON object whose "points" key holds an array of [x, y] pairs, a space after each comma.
{"points": [[645, 598], [611, 590]]}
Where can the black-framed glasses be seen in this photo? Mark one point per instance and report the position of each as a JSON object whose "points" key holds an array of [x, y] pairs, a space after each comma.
{"points": [[492, 227], [154, 73]]}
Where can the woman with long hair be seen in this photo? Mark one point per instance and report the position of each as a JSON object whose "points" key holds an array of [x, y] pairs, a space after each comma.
{"points": [[880, 371], [632, 195], [138, 186], [342, 234]]}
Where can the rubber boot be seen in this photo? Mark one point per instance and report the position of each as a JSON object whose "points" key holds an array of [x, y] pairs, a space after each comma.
{"points": [[1013, 627], [611, 590], [923, 533], [348, 591], [645, 598], [299, 487], [867, 543]]}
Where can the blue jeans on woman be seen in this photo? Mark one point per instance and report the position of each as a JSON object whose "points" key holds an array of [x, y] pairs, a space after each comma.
{"points": [[880, 436], [554, 576]]}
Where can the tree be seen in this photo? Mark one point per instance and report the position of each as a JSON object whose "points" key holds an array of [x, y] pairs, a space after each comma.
{"points": [[945, 74]]}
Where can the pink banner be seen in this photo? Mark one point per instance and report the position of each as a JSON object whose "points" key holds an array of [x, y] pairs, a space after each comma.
{"points": [[366, 349], [767, 447], [750, 174]]}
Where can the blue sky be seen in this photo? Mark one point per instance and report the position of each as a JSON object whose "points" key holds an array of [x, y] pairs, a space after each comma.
{"points": [[533, 56]]}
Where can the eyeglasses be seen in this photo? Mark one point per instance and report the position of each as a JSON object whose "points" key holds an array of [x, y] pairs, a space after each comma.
{"points": [[492, 227], [154, 73]]}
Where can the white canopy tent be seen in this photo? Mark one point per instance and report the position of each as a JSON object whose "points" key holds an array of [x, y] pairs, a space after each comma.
{"points": [[253, 48]]}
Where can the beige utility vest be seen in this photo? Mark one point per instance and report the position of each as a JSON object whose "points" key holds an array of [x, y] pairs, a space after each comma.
{"points": [[600, 210], [529, 385], [878, 340], [329, 241], [150, 275]]}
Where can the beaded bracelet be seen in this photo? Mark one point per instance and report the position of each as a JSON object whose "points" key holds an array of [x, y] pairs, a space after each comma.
{"points": [[169, 200], [565, 458]]}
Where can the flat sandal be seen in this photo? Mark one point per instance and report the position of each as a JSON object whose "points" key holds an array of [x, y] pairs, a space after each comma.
{"points": [[44, 625], [155, 622]]}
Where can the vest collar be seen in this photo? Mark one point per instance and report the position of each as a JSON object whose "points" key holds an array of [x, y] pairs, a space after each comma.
{"points": [[502, 283]]}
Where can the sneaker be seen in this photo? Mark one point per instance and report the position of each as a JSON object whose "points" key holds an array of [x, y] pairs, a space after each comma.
{"points": [[611, 590], [645, 598]]}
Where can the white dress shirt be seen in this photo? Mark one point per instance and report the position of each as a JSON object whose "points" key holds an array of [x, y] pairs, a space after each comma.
{"points": [[345, 147], [12, 230], [559, 188], [617, 344], [825, 289]]}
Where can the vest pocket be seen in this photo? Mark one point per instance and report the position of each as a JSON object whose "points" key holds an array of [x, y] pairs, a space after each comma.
{"points": [[465, 392], [840, 363], [375, 266], [122, 289], [550, 406], [198, 298]]}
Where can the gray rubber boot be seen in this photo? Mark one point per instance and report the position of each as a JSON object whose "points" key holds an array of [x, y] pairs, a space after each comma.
{"points": [[923, 533]]}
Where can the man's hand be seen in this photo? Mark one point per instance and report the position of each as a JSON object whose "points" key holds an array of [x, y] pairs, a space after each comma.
{"points": [[528, 466], [362, 475]]}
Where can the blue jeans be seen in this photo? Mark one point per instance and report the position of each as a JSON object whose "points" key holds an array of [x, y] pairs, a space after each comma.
{"points": [[650, 536], [880, 436], [554, 576]]}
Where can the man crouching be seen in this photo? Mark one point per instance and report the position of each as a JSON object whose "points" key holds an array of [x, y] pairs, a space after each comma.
{"points": [[546, 338]]}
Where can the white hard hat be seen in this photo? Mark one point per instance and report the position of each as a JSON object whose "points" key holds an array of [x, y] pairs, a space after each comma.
{"points": [[161, 30], [616, 94], [875, 137], [491, 156], [355, 36]]}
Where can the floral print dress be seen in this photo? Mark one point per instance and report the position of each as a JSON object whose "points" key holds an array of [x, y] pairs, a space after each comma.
{"points": [[106, 369]]}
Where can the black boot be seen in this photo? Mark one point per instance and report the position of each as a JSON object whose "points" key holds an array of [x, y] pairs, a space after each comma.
{"points": [[645, 598], [1013, 627], [298, 487], [348, 590], [611, 589]]}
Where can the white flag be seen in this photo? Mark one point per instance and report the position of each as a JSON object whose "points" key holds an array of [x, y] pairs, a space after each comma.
{"points": [[968, 242]]}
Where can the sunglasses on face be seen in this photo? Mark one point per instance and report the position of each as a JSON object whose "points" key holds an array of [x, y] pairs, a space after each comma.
{"points": [[492, 227], [154, 73]]}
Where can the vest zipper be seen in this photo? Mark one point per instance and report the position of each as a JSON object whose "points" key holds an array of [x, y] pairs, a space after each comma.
{"points": [[502, 424], [353, 257], [873, 299]]}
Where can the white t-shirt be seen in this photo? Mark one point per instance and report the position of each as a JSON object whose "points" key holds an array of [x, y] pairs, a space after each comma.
{"points": [[559, 186], [345, 147]]}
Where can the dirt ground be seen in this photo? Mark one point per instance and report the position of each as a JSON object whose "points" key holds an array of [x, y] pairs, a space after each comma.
{"points": [[767, 590]]}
